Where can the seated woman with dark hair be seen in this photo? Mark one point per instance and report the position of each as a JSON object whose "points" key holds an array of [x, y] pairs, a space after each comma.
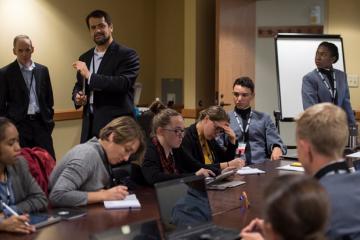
{"points": [[163, 159], [18, 189], [84, 175], [296, 208], [200, 143]]}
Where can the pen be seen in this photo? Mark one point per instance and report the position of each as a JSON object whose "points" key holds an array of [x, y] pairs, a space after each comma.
{"points": [[245, 199], [12, 211]]}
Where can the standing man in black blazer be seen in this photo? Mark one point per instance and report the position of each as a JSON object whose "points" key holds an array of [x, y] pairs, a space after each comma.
{"points": [[26, 97], [105, 77]]}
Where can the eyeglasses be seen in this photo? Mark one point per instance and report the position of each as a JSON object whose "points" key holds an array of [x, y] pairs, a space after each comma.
{"points": [[237, 94], [177, 131]]}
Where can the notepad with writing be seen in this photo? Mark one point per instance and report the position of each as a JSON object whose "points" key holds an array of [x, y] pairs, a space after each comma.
{"points": [[130, 201], [249, 170]]}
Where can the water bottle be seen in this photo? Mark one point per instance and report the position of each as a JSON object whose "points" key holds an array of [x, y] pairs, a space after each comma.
{"points": [[353, 132]]}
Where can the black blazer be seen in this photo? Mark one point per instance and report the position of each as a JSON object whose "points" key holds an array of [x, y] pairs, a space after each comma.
{"points": [[14, 94], [112, 85], [153, 171], [191, 145]]}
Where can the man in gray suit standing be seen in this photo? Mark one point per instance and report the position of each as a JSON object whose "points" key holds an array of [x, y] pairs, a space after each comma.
{"points": [[326, 84], [321, 136]]}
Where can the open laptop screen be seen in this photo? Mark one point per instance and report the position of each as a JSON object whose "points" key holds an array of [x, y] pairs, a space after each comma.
{"points": [[183, 203]]}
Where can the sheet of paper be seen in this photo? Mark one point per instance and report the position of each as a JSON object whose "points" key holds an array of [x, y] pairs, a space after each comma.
{"points": [[291, 168], [249, 170], [129, 202], [354, 155]]}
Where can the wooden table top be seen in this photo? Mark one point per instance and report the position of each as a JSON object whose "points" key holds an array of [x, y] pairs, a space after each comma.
{"points": [[226, 208]]}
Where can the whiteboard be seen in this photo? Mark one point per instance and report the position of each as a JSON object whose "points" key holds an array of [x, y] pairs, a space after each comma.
{"points": [[295, 57]]}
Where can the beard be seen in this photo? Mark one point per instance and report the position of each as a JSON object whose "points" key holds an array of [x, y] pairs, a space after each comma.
{"points": [[102, 40]]}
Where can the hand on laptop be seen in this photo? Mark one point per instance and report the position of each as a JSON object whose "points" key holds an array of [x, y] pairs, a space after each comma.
{"points": [[17, 224], [237, 163], [253, 231], [116, 193], [205, 172]]}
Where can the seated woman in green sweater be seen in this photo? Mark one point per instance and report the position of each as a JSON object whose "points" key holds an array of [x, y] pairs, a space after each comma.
{"points": [[84, 175], [18, 189]]}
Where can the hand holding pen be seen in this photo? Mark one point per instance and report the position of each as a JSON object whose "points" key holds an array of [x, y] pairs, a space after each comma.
{"points": [[16, 223]]}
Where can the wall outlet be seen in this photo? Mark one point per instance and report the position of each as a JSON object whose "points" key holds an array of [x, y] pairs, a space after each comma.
{"points": [[353, 80]]}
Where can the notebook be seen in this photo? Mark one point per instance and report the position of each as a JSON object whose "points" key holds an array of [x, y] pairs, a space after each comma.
{"points": [[147, 230], [185, 211], [130, 201]]}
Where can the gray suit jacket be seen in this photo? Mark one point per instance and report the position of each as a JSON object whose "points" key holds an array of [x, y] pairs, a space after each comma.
{"points": [[262, 135], [314, 91], [344, 196], [28, 195]]}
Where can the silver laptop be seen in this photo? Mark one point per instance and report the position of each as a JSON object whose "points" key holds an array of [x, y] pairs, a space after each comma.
{"points": [[185, 211]]}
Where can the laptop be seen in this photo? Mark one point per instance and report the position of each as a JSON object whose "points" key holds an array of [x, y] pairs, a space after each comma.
{"points": [[221, 182], [145, 230], [185, 211], [43, 219]]}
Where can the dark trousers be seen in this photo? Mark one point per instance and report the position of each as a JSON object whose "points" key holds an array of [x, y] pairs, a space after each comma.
{"points": [[34, 133]]}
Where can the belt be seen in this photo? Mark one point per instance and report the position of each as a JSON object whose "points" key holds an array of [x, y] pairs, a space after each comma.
{"points": [[33, 117]]}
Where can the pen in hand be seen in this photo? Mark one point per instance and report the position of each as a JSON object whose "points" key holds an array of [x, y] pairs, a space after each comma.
{"points": [[12, 211]]}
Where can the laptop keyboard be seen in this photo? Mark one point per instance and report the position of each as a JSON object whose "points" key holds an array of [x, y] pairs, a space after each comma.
{"points": [[211, 233]]}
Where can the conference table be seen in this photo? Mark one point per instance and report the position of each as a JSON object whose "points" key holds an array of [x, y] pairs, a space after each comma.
{"points": [[227, 208]]}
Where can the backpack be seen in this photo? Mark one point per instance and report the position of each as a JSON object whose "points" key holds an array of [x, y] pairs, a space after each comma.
{"points": [[41, 164]]}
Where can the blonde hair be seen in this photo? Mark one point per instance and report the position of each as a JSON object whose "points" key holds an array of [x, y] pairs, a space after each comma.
{"points": [[125, 129], [325, 126], [163, 118], [215, 113]]}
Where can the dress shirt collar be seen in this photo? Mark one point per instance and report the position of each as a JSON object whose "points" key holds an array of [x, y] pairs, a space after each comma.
{"points": [[23, 67]]}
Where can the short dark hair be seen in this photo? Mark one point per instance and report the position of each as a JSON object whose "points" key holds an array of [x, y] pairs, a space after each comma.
{"points": [[332, 49], [98, 14], [245, 82]]}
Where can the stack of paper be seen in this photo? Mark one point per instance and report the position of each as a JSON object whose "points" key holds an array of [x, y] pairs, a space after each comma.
{"points": [[129, 202], [291, 168], [354, 155], [249, 170]]}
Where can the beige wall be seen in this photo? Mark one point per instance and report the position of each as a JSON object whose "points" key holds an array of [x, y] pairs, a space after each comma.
{"points": [[169, 48], [344, 19]]}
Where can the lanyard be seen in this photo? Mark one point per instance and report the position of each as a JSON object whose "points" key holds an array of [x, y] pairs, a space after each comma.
{"points": [[31, 81], [332, 93], [240, 124]]}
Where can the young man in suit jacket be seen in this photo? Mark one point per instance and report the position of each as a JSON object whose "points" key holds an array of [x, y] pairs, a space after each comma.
{"points": [[327, 84], [254, 130], [321, 136], [108, 71], [26, 97]]}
